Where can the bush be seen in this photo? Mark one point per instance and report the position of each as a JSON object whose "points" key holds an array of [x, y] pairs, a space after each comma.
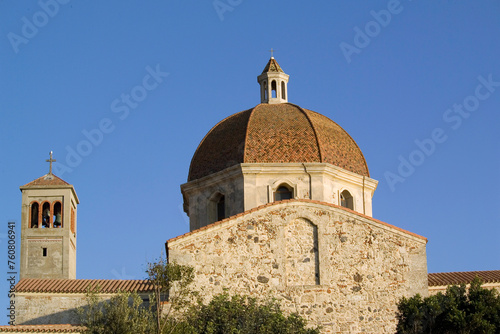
{"points": [[242, 314], [457, 311], [123, 313]]}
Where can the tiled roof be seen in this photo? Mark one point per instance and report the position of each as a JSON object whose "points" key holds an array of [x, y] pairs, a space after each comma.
{"points": [[47, 180], [81, 285], [464, 277], [272, 66], [43, 329], [276, 133], [292, 201]]}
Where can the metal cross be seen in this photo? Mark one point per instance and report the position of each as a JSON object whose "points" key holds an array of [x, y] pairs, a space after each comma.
{"points": [[272, 52], [51, 161]]}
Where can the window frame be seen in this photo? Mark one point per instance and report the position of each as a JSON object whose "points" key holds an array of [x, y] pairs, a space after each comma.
{"points": [[349, 201], [276, 191]]}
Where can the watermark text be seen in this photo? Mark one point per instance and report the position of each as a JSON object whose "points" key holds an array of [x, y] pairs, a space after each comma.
{"points": [[454, 118]]}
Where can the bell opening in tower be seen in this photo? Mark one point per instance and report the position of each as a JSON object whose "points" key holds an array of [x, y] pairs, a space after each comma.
{"points": [[273, 89], [46, 215], [57, 215], [35, 208]]}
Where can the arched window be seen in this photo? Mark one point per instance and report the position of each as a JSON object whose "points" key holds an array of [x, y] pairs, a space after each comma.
{"points": [[35, 209], [273, 88], [57, 222], [221, 208], [46, 215], [283, 93], [283, 192], [265, 90], [216, 207], [346, 200]]}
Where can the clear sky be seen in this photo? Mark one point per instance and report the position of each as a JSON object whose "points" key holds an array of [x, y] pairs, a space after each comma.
{"points": [[415, 83]]}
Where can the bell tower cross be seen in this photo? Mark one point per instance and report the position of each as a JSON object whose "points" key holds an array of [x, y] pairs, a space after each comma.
{"points": [[50, 161]]}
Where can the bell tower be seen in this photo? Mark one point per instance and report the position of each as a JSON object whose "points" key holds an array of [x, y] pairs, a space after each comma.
{"points": [[48, 228], [273, 83]]}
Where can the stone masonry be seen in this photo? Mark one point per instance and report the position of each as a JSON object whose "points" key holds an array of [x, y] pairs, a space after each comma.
{"points": [[48, 308], [335, 267]]}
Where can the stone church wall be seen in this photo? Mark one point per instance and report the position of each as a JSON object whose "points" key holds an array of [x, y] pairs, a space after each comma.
{"points": [[336, 268], [53, 308], [47, 308]]}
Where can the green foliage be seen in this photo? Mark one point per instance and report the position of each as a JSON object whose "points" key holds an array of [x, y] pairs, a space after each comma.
{"points": [[123, 313], [457, 311], [171, 282], [241, 314]]}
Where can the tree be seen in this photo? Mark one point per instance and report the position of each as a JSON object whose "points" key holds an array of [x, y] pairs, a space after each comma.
{"points": [[123, 313], [476, 310], [171, 282], [174, 309], [241, 314]]}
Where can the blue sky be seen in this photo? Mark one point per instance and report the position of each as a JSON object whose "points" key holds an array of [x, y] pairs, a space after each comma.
{"points": [[415, 83]]}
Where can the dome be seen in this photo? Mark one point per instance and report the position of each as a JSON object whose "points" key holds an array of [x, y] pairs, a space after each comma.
{"points": [[276, 133]]}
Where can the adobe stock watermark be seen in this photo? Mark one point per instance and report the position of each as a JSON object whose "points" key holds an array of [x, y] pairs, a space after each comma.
{"points": [[12, 264], [454, 118], [223, 6], [122, 107], [363, 37], [30, 26], [122, 275]]}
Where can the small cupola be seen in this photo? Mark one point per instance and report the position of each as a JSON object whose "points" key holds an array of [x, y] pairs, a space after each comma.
{"points": [[273, 83]]}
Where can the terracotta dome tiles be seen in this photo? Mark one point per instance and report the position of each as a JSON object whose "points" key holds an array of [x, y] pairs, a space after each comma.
{"points": [[276, 133], [337, 146], [222, 147]]}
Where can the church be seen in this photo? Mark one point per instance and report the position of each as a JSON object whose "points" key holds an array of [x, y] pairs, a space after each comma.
{"points": [[279, 199]]}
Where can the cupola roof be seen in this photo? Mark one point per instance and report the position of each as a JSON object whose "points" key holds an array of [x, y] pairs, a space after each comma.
{"points": [[272, 66], [276, 133]]}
